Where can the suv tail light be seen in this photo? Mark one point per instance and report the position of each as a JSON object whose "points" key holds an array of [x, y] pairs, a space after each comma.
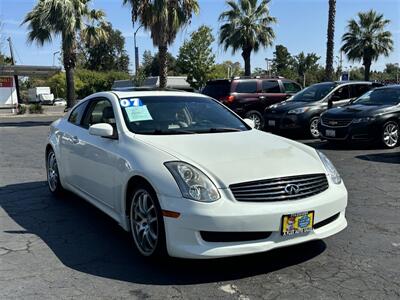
{"points": [[227, 99]]}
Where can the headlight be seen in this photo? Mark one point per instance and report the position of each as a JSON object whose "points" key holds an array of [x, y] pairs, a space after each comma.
{"points": [[330, 168], [193, 183], [298, 111], [364, 120]]}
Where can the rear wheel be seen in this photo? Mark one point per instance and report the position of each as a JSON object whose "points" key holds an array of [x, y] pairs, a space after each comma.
{"points": [[313, 128], [256, 117], [53, 176], [390, 134], [146, 221]]}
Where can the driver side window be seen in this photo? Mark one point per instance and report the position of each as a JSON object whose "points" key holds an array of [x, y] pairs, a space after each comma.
{"points": [[99, 111], [342, 93]]}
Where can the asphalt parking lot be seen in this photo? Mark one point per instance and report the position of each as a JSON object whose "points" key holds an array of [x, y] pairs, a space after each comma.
{"points": [[65, 248]]}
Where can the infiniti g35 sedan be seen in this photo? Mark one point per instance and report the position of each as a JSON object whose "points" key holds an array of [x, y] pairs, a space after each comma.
{"points": [[189, 178]]}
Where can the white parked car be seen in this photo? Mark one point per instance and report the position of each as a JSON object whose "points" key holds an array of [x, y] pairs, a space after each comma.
{"points": [[59, 102], [189, 178]]}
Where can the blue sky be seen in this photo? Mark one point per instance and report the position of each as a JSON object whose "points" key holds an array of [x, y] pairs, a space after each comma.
{"points": [[301, 27]]}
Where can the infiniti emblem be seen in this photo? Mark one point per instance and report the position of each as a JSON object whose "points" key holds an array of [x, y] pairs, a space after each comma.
{"points": [[292, 189]]}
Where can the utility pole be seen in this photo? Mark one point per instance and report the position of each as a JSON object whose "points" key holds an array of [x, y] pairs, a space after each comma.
{"points": [[13, 63], [136, 51], [397, 72]]}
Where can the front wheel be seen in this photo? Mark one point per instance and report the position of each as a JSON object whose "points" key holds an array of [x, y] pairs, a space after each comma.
{"points": [[146, 221], [390, 134], [257, 118], [313, 128]]}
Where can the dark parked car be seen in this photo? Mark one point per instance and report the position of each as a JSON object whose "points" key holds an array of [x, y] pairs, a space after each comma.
{"points": [[375, 116], [248, 97], [302, 111]]}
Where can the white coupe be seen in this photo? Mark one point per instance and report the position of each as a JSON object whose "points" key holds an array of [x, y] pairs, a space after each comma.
{"points": [[189, 178]]}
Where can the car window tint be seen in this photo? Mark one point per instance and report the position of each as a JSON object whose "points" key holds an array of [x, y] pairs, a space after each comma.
{"points": [[342, 93], [270, 87], [246, 87], [76, 115], [359, 89], [100, 111], [291, 87], [217, 89]]}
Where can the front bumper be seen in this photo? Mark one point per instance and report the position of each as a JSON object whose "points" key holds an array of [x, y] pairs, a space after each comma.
{"points": [[228, 215], [284, 121], [354, 132]]}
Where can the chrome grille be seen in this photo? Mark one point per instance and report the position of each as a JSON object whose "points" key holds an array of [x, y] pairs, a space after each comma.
{"points": [[276, 189], [335, 122]]}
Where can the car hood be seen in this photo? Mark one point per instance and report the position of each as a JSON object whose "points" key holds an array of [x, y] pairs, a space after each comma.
{"points": [[356, 111], [288, 105], [235, 157]]}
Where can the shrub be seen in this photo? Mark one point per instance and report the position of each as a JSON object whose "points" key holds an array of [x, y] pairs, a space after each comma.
{"points": [[35, 108], [21, 109]]}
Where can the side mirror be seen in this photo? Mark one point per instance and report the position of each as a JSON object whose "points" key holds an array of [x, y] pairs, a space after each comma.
{"points": [[250, 123], [102, 129]]}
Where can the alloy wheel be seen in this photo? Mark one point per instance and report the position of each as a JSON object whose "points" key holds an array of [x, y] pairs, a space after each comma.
{"points": [[256, 119], [52, 171], [391, 134], [144, 222], [314, 128]]}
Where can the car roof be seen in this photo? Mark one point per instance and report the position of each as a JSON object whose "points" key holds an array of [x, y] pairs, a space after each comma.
{"points": [[390, 86], [143, 93]]}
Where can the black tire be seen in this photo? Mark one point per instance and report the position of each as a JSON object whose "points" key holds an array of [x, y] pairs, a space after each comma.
{"points": [[313, 128], [257, 119], [142, 224], [390, 134], [53, 175]]}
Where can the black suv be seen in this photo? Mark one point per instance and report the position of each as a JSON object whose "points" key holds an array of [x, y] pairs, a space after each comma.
{"points": [[248, 97], [302, 111]]}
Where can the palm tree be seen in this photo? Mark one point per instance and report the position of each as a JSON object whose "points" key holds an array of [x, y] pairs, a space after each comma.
{"points": [[246, 27], [330, 42], [163, 18], [366, 39], [65, 18]]}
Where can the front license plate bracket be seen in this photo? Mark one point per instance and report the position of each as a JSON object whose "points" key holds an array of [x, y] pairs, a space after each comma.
{"points": [[297, 223]]}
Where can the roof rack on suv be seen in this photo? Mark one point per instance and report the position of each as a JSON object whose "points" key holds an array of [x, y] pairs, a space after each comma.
{"points": [[258, 77]]}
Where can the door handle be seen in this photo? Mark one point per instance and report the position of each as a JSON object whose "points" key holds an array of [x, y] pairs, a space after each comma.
{"points": [[74, 140]]}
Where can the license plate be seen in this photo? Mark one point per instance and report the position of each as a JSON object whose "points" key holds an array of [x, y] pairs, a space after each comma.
{"points": [[297, 223], [271, 122], [330, 133]]}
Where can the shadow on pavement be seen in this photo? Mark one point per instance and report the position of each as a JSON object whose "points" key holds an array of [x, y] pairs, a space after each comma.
{"points": [[391, 158], [25, 124], [86, 240]]}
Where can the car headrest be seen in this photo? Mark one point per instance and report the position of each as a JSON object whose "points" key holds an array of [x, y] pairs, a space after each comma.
{"points": [[108, 113]]}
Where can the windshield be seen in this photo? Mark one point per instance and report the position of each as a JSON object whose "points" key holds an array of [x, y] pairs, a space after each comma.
{"points": [[387, 96], [314, 92], [178, 115]]}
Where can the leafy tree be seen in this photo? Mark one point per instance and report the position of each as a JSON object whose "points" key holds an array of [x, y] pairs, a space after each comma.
{"points": [[196, 58], [65, 18], [330, 41], [305, 63], [367, 39], [283, 60], [247, 26], [172, 67], [220, 71], [163, 18], [106, 56], [147, 61]]}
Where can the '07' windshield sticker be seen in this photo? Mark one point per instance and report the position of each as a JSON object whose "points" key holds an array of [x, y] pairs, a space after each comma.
{"points": [[132, 102]]}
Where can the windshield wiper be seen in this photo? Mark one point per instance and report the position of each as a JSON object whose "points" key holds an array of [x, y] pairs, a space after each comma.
{"points": [[166, 132], [224, 129]]}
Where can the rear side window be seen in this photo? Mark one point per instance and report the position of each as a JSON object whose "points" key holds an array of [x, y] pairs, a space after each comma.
{"points": [[76, 115], [217, 89], [246, 87], [270, 87], [291, 87], [360, 89]]}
